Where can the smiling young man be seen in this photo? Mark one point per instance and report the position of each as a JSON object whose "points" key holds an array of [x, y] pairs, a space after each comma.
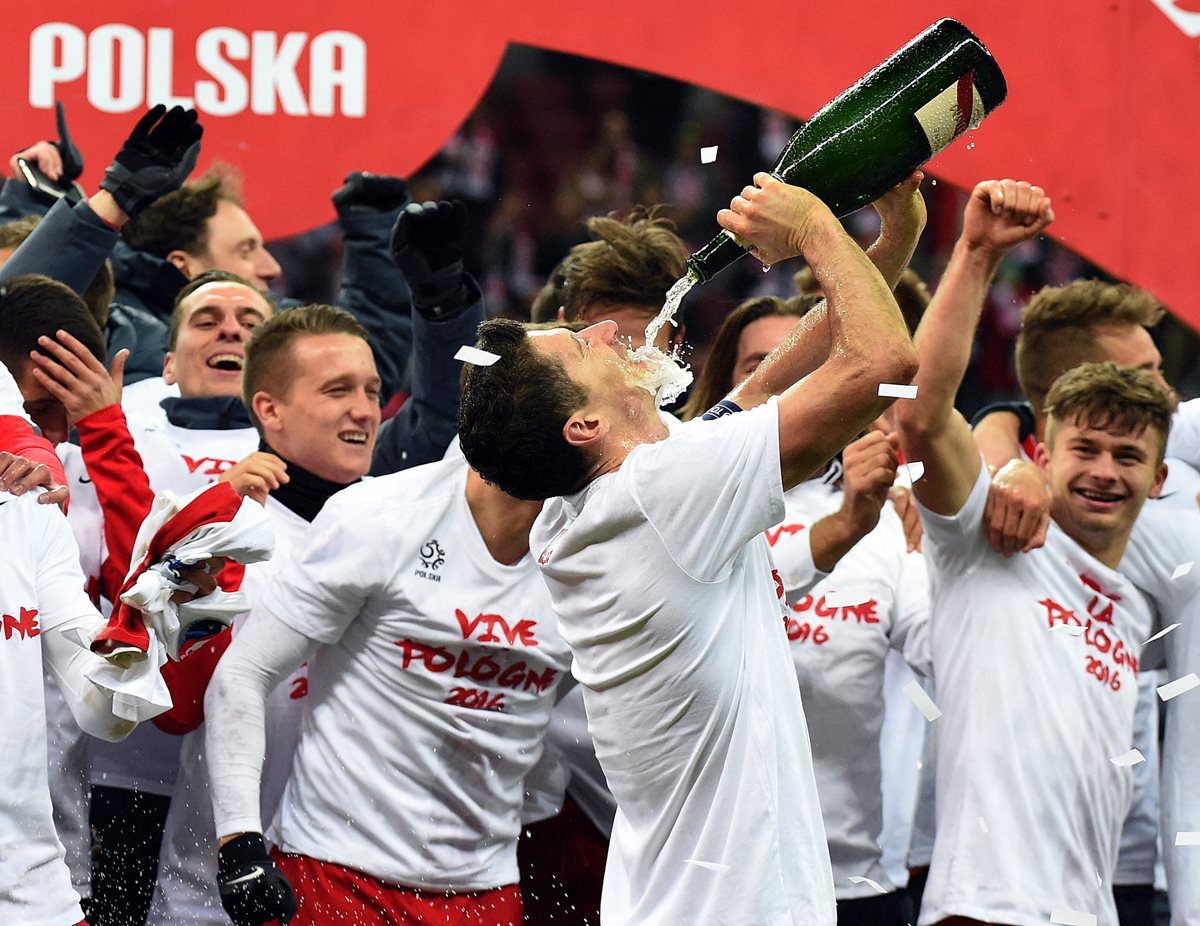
{"points": [[655, 557], [1035, 655]]}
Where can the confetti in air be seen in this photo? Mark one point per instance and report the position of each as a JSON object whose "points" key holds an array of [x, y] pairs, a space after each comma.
{"points": [[916, 469], [481, 358], [1162, 633], [1181, 570], [1179, 686], [711, 866], [924, 703], [1133, 757], [983, 824], [708, 155], [897, 391], [1072, 918], [858, 879], [1187, 839]]}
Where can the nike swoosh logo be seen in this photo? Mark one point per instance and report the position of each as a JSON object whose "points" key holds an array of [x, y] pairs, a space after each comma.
{"points": [[84, 479], [252, 875]]}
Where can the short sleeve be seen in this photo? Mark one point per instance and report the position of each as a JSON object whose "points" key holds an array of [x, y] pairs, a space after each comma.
{"points": [[323, 585], [711, 486], [957, 543], [60, 579]]}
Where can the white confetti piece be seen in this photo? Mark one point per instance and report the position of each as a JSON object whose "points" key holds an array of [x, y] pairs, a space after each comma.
{"points": [[1133, 757], [1181, 570], [1162, 633], [1099, 880], [1187, 839], [982, 824], [1068, 630], [859, 879], [1179, 686], [708, 155], [924, 703], [1072, 918], [711, 866], [897, 391], [481, 358], [915, 470]]}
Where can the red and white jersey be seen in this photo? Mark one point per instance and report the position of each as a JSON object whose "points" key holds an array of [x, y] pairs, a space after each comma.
{"points": [[874, 601], [186, 459], [187, 873], [674, 611], [429, 698], [41, 588], [1036, 662]]}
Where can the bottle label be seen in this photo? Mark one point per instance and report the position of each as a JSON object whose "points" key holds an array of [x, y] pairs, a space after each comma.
{"points": [[957, 108]]}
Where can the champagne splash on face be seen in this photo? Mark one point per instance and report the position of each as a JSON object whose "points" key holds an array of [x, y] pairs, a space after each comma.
{"points": [[664, 375]]}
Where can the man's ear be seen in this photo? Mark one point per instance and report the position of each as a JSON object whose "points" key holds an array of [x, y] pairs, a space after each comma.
{"points": [[1159, 478], [182, 262], [562, 313], [1041, 456], [169, 369], [266, 410], [585, 430]]}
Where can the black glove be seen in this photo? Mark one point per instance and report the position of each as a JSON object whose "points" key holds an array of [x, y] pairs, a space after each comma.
{"points": [[253, 889], [72, 160], [427, 245], [374, 192], [155, 159]]}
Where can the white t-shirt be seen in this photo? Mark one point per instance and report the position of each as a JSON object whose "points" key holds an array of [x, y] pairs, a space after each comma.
{"points": [[1031, 717], [881, 603], [1184, 440], [143, 398], [186, 891], [429, 699], [1167, 536], [902, 755], [41, 588], [672, 607]]}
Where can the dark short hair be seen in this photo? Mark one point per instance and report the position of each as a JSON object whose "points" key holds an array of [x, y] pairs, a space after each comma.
{"points": [[179, 220], [269, 365], [512, 413], [1059, 327], [631, 261], [97, 297], [203, 279], [32, 306], [1110, 398], [716, 379]]}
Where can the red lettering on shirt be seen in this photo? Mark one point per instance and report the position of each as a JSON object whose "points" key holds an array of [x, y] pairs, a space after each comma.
{"points": [[864, 613], [521, 632], [779, 589], [25, 625], [481, 668], [1098, 634], [774, 533], [213, 465]]}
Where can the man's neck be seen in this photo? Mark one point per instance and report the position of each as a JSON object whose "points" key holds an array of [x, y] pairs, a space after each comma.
{"points": [[622, 439], [504, 522]]}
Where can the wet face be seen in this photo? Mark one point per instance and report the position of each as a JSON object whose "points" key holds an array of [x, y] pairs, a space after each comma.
{"points": [[593, 358], [218, 319], [758, 339], [42, 408], [328, 419], [235, 246], [631, 322], [1132, 346], [1099, 480]]}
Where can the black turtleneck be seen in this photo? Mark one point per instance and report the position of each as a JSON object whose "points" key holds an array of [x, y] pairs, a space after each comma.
{"points": [[305, 492], [207, 413]]}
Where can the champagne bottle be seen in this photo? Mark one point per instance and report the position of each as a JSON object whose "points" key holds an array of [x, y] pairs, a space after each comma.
{"points": [[888, 124]]}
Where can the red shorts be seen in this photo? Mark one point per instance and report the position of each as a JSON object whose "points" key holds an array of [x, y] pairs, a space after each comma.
{"points": [[329, 893]]}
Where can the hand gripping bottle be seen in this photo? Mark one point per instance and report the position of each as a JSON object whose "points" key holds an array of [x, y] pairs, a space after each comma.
{"points": [[888, 124]]}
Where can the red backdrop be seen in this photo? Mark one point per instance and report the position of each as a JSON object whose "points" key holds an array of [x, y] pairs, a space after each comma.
{"points": [[1101, 108]]}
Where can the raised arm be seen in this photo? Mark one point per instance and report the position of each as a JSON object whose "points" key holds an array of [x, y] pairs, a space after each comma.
{"points": [[822, 411], [1000, 214]]}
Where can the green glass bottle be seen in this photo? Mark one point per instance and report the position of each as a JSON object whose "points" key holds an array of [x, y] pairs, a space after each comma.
{"points": [[888, 124]]}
